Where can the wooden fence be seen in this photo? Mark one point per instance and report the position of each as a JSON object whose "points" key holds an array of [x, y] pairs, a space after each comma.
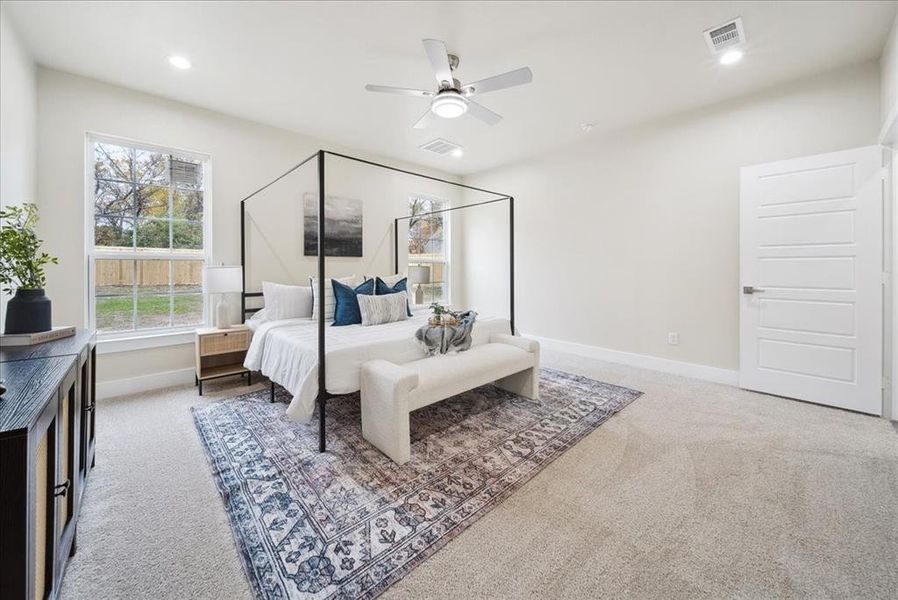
{"points": [[149, 272]]}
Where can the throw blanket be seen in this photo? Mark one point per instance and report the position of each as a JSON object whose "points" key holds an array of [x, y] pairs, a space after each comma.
{"points": [[448, 338]]}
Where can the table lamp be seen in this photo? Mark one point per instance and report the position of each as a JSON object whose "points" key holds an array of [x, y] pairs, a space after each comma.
{"points": [[418, 275], [223, 281]]}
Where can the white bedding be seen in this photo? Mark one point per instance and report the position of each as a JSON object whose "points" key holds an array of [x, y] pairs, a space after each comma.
{"points": [[286, 352]]}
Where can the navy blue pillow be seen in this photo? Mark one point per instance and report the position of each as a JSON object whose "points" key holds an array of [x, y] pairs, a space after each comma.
{"points": [[346, 306], [400, 286]]}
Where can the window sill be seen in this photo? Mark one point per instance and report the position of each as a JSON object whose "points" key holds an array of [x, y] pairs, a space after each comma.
{"points": [[112, 345]]}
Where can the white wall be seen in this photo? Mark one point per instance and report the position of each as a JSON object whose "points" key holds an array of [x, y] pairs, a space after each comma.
{"points": [[625, 238], [17, 123], [640, 227], [244, 156], [888, 64]]}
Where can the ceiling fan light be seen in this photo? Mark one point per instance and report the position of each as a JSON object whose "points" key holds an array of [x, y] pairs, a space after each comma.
{"points": [[449, 105]]}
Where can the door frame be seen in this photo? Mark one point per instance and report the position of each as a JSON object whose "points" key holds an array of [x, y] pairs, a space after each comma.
{"points": [[890, 302], [888, 138]]}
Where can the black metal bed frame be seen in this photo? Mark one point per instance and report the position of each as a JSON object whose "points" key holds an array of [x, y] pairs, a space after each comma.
{"points": [[323, 394]]}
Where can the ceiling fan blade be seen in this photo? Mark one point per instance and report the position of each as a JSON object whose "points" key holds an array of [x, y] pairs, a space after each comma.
{"points": [[425, 121], [499, 82], [479, 111], [439, 61], [386, 89]]}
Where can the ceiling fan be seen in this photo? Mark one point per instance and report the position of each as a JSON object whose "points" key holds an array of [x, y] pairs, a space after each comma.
{"points": [[452, 99]]}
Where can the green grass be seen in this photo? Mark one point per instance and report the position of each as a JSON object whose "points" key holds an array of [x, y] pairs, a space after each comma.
{"points": [[146, 305], [115, 313]]}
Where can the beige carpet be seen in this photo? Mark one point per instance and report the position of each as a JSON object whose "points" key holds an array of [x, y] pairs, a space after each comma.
{"points": [[694, 490]]}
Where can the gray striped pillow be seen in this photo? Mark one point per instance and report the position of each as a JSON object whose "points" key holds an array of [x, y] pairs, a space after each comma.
{"points": [[387, 308]]}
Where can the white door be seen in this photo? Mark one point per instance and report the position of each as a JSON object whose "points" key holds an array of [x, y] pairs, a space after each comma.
{"points": [[811, 276]]}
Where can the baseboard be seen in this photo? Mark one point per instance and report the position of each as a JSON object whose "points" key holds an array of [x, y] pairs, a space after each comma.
{"points": [[643, 361], [155, 381], [143, 383]]}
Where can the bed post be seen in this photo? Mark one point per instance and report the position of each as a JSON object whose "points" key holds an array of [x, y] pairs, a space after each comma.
{"points": [[243, 259], [396, 246], [511, 262], [322, 387]]}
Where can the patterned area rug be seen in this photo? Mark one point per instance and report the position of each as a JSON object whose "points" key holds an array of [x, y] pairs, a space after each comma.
{"points": [[350, 522]]}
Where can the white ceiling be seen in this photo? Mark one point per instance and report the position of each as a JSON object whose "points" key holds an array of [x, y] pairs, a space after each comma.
{"points": [[303, 66]]}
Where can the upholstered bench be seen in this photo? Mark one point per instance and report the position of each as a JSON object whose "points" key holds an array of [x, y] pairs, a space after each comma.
{"points": [[390, 391]]}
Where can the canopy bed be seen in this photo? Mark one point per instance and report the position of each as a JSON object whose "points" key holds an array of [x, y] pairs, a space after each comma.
{"points": [[297, 351]]}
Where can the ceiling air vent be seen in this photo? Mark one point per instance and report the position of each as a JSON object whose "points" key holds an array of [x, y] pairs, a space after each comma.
{"points": [[441, 146], [725, 36]]}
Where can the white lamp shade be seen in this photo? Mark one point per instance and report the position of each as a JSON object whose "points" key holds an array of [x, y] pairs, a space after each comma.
{"points": [[223, 280], [419, 274]]}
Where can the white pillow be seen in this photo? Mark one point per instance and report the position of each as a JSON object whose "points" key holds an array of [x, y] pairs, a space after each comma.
{"points": [[329, 300], [388, 308], [286, 301], [259, 317]]}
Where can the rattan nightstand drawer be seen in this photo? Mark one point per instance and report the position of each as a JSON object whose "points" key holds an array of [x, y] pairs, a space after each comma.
{"points": [[222, 343], [220, 353]]}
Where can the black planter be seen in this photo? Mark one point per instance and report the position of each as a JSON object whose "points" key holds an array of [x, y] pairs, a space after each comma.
{"points": [[28, 312]]}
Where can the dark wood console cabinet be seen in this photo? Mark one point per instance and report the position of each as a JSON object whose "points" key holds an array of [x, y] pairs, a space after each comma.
{"points": [[47, 446]]}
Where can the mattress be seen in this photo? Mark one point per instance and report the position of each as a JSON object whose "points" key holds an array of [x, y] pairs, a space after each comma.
{"points": [[286, 352]]}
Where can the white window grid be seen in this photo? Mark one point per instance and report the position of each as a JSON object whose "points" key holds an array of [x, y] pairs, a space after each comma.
{"points": [[443, 260], [94, 253]]}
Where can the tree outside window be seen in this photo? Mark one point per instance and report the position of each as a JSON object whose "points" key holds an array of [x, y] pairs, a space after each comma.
{"points": [[428, 245]]}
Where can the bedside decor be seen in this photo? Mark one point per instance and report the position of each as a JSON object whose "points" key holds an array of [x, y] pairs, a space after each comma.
{"points": [[22, 271], [223, 281], [220, 353], [418, 276]]}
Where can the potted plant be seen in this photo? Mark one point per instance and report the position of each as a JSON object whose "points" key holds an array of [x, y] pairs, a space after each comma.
{"points": [[437, 310], [22, 270], [441, 316]]}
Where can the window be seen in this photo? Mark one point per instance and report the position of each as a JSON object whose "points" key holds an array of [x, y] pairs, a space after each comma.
{"points": [[147, 248], [428, 246]]}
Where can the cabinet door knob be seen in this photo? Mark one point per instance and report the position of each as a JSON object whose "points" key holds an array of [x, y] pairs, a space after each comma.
{"points": [[62, 489], [90, 408]]}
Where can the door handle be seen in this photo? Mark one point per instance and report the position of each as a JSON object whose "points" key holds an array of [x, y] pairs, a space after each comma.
{"points": [[750, 289]]}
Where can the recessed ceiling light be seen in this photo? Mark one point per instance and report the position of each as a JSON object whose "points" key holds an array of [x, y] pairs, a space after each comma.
{"points": [[731, 57], [587, 127], [179, 62], [457, 152]]}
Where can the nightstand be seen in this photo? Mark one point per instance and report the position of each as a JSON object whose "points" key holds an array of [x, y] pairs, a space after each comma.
{"points": [[220, 353]]}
